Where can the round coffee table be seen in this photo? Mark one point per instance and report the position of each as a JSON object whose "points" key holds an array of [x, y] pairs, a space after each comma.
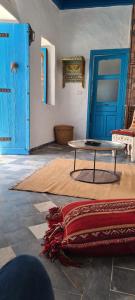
{"points": [[95, 175]]}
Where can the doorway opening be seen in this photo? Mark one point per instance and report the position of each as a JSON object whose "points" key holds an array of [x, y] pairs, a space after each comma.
{"points": [[47, 72]]}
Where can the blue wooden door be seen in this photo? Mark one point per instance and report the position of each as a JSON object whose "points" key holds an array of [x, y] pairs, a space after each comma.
{"points": [[107, 92], [14, 88]]}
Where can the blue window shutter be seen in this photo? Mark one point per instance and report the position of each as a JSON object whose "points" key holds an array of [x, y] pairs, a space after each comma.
{"points": [[44, 70]]}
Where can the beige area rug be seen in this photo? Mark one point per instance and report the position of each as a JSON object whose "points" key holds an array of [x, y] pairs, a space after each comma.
{"points": [[55, 179]]}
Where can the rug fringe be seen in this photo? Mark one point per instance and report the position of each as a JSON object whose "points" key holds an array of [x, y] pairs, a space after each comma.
{"points": [[52, 241], [54, 216]]}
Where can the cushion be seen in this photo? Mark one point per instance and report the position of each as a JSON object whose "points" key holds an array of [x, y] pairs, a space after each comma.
{"points": [[124, 132], [91, 227]]}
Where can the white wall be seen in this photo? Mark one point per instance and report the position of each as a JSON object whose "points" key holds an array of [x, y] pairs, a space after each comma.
{"points": [[6, 16], [44, 19], [83, 30], [11, 7], [73, 32]]}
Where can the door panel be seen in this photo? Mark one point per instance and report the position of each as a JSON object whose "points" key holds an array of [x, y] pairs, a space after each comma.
{"points": [[110, 124], [14, 89], [5, 120], [109, 66], [98, 125], [106, 108], [108, 75], [107, 90], [6, 105]]}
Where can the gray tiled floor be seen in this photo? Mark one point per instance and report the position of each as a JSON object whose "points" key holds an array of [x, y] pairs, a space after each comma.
{"points": [[99, 279]]}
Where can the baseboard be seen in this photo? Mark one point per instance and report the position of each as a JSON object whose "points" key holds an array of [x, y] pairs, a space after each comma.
{"points": [[40, 147]]}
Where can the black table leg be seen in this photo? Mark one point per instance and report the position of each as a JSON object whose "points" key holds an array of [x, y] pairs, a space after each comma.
{"points": [[115, 156], [94, 166], [75, 160]]}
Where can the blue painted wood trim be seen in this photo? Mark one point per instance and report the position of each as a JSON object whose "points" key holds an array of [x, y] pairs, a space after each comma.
{"points": [[76, 4], [109, 51], [108, 77], [94, 53], [27, 92], [14, 151], [124, 82], [44, 51], [90, 86]]}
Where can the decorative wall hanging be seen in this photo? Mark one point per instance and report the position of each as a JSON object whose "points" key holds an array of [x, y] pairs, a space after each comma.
{"points": [[73, 69]]}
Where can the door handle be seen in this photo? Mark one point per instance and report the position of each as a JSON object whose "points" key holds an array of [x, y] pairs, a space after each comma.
{"points": [[14, 66]]}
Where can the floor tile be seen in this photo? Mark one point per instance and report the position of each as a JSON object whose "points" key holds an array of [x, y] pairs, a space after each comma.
{"points": [[77, 278], [22, 234], [60, 295], [125, 261], [15, 167], [6, 254], [123, 280], [3, 241], [118, 296], [58, 279], [31, 247], [39, 230], [44, 206], [27, 209], [6, 160], [97, 284]]}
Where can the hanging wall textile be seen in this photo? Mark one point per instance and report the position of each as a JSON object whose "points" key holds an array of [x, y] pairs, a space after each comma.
{"points": [[73, 69], [55, 179]]}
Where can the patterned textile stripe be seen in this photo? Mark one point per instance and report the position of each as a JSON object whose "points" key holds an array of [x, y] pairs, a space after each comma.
{"points": [[99, 221], [124, 132], [99, 243], [101, 233], [100, 208], [71, 206]]}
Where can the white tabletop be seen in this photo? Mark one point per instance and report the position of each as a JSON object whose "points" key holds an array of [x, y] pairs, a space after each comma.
{"points": [[103, 146]]}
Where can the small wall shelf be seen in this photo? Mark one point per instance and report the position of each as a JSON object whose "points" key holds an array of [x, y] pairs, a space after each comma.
{"points": [[73, 69]]}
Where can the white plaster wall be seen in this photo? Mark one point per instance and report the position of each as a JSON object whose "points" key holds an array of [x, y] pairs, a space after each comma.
{"points": [[51, 75], [83, 30], [73, 32], [11, 7], [6, 16]]}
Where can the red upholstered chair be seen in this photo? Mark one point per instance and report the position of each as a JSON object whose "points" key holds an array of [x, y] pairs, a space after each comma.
{"points": [[126, 136]]}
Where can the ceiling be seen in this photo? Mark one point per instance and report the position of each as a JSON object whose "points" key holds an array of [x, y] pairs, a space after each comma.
{"points": [[74, 4]]}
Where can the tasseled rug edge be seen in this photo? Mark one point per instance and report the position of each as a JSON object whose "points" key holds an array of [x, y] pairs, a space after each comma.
{"points": [[53, 247], [54, 217]]}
